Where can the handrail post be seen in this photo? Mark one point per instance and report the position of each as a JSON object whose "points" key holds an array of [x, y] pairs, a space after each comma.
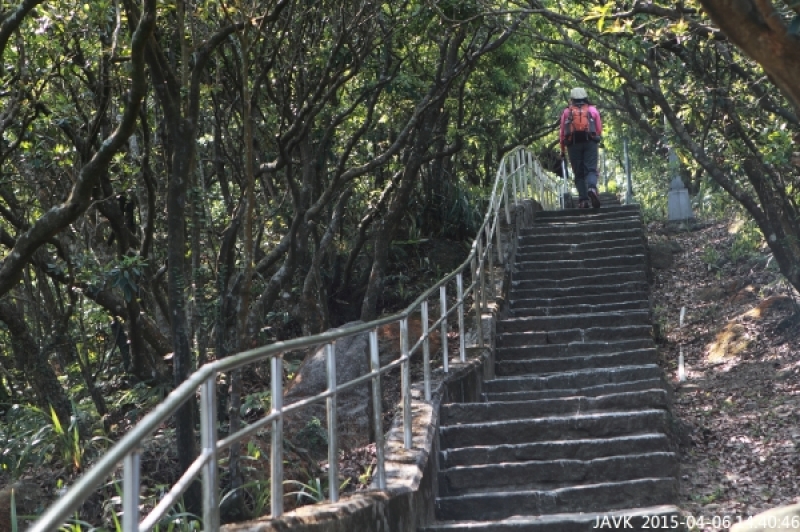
{"points": [[482, 277], [276, 450], [523, 176], [131, 483], [444, 327], [377, 407], [500, 258], [490, 259], [426, 352], [208, 430], [333, 435], [462, 350], [505, 198], [406, 382], [476, 297], [532, 166], [514, 176]]}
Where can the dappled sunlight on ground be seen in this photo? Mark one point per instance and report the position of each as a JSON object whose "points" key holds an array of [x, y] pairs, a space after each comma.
{"points": [[740, 403]]}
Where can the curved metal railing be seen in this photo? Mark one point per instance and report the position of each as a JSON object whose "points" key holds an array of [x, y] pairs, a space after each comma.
{"points": [[519, 176]]}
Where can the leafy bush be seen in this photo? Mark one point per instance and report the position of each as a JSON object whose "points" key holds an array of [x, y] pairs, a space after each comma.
{"points": [[747, 240]]}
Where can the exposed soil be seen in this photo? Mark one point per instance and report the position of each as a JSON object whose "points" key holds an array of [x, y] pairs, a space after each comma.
{"points": [[739, 401]]}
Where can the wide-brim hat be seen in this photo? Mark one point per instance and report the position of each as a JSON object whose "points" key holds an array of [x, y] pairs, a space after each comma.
{"points": [[578, 94]]}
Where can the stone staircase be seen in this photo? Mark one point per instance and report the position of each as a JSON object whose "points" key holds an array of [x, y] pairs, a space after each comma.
{"points": [[574, 433]]}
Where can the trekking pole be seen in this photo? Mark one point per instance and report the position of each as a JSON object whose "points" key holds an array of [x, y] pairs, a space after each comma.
{"points": [[565, 173]]}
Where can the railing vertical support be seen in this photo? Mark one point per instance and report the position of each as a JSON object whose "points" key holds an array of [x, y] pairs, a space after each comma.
{"points": [[476, 297], [480, 279], [208, 435], [444, 327], [426, 353], [514, 175], [406, 382], [276, 450], [531, 169], [462, 349], [505, 196], [490, 259], [523, 176], [377, 407], [333, 434], [131, 483], [500, 257]]}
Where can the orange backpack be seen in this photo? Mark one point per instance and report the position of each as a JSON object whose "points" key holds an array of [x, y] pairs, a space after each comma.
{"points": [[579, 125]]}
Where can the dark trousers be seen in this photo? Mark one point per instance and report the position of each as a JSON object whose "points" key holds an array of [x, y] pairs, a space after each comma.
{"points": [[583, 159]]}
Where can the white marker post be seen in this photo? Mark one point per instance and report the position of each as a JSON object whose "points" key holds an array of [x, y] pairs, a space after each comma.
{"points": [[681, 367]]}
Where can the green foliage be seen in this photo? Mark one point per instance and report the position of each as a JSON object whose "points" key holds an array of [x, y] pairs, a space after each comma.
{"points": [[711, 256], [257, 494], [176, 520], [126, 275], [747, 241], [32, 438], [313, 491], [255, 404], [313, 434], [69, 440], [20, 450]]}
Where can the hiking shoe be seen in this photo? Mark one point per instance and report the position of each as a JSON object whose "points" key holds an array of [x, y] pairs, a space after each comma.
{"points": [[594, 197], [583, 204]]}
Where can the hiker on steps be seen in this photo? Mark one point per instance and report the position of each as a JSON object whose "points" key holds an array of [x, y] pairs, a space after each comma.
{"points": [[580, 133]]}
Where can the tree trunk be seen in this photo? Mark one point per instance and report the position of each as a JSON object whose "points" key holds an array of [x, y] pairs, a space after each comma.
{"points": [[757, 29], [182, 363], [33, 363]]}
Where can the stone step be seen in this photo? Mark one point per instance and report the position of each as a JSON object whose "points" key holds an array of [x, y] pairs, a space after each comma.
{"points": [[600, 497], [589, 290], [566, 336], [572, 349], [632, 519], [566, 268], [580, 299], [598, 225], [581, 251], [557, 250], [578, 449], [611, 211], [549, 474], [504, 368], [620, 318], [534, 310], [572, 379], [569, 278], [577, 238], [591, 425], [466, 413], [600, 389]]}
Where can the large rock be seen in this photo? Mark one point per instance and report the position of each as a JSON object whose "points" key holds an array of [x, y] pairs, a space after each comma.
{"points": [[661, 255], [308, 428]]}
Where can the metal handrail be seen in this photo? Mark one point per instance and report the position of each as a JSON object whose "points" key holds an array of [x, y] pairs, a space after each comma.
{"points": [[518, 169]]}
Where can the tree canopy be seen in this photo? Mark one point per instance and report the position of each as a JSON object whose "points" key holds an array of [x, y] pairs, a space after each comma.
{"points": [[183, 180]]}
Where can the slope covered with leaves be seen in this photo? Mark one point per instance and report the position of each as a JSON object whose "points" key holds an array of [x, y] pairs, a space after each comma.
{"points": [[738, 403]]}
